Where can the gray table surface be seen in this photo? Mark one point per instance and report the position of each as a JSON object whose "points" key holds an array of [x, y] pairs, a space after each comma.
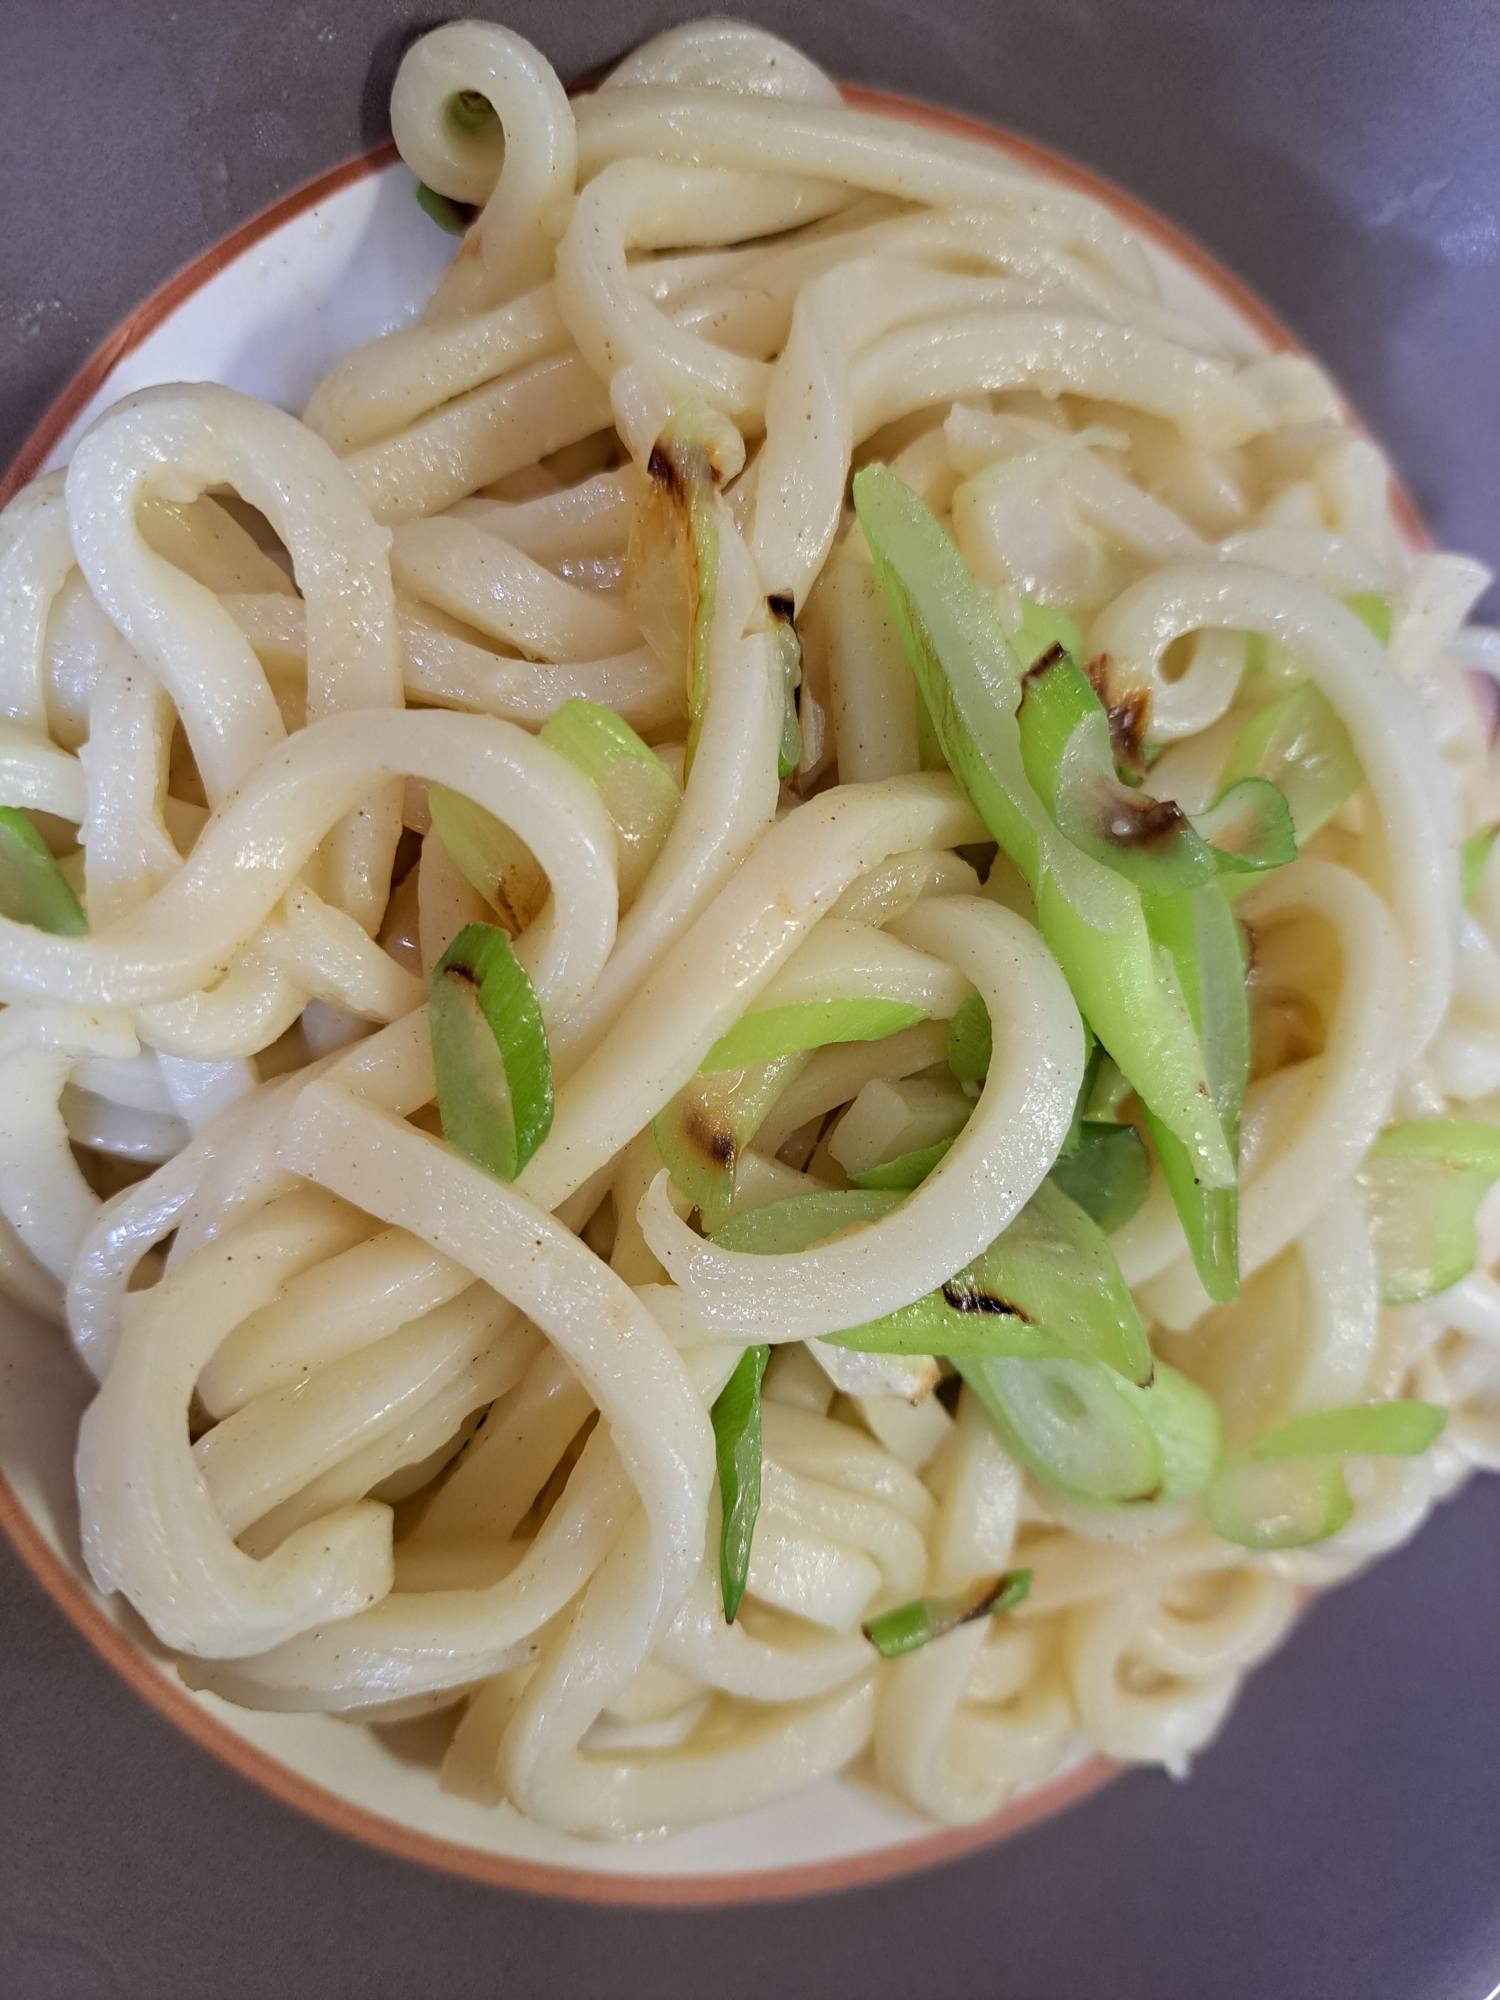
{"points": [[1342, 1840]]}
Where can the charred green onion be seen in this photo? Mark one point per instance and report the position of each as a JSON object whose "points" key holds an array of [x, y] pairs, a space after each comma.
{"points": [[491, 858], [1088, 913], [1048, 1287], [701, 1133], [1068, 755], [914, 1625], [673, 565], [489, 1050]]}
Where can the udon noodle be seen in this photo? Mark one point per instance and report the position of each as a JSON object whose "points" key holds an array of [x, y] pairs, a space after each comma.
{"points": [[378, 1432]]}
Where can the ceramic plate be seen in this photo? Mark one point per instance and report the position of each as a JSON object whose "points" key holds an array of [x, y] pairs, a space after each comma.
{"points": [[268, 310]]}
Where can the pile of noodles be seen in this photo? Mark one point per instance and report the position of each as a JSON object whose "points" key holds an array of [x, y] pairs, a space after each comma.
{"points": [[378, 1433]]}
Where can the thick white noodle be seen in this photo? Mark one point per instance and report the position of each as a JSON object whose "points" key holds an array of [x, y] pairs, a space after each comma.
{"points": [[379, 1434]]}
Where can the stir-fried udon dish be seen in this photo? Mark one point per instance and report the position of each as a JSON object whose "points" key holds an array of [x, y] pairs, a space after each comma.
{"points": [[752, 1015]]}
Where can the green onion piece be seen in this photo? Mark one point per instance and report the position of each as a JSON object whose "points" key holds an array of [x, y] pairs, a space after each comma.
{"points": [[1090, 916], [1286, 1504], [914, 1625], [701, 1133], [970, 1041], [489, 1049], [1200, 935], [1108, 1173], [736, 1422], [907, 1170], [1093, 1056], [490, 857], [471, 111], [1472, 858], [1387, 1430], [1041, 628], [1070, 762], [1094, 1437], [1288, 1490], [781, 1228], [33, 889], [809, 1024], [1249, 827], [1373, 610], [1422, 1184], [672, 567], [788, 648], [1109, 1093], [1300, 745], [637, 790], [454, 216], [1048, 1286], [930, 755]]}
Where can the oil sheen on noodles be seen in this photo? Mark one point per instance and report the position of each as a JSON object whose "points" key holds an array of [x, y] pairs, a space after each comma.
{"points": [[379, 1433]]}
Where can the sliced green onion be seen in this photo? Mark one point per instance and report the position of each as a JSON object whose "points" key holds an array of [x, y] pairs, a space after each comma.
{"points": [[809, 1024], [1041, 628], [1288, 1489], [1069, 759], [736, 1422], [788, 649], [637, 790], [1371, 609], [672, 568], [911, 1626], [471, 111], [1249, 827], [1048, 1286], [701, 1133], [970, 1041], [1064, 1422], [1473, 856], [1286, 1504], [1301, 746], [490, 857], [1090, 916], [489, 1049], [907, 1170], [33, 889], [1398, 1429], [1093, 1055], [1108, 1173], [1111, 1089], [899, 1123], [1422, 1184], [1200, 935], [1094, 1437], [781, 1228], [454, 216]]}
